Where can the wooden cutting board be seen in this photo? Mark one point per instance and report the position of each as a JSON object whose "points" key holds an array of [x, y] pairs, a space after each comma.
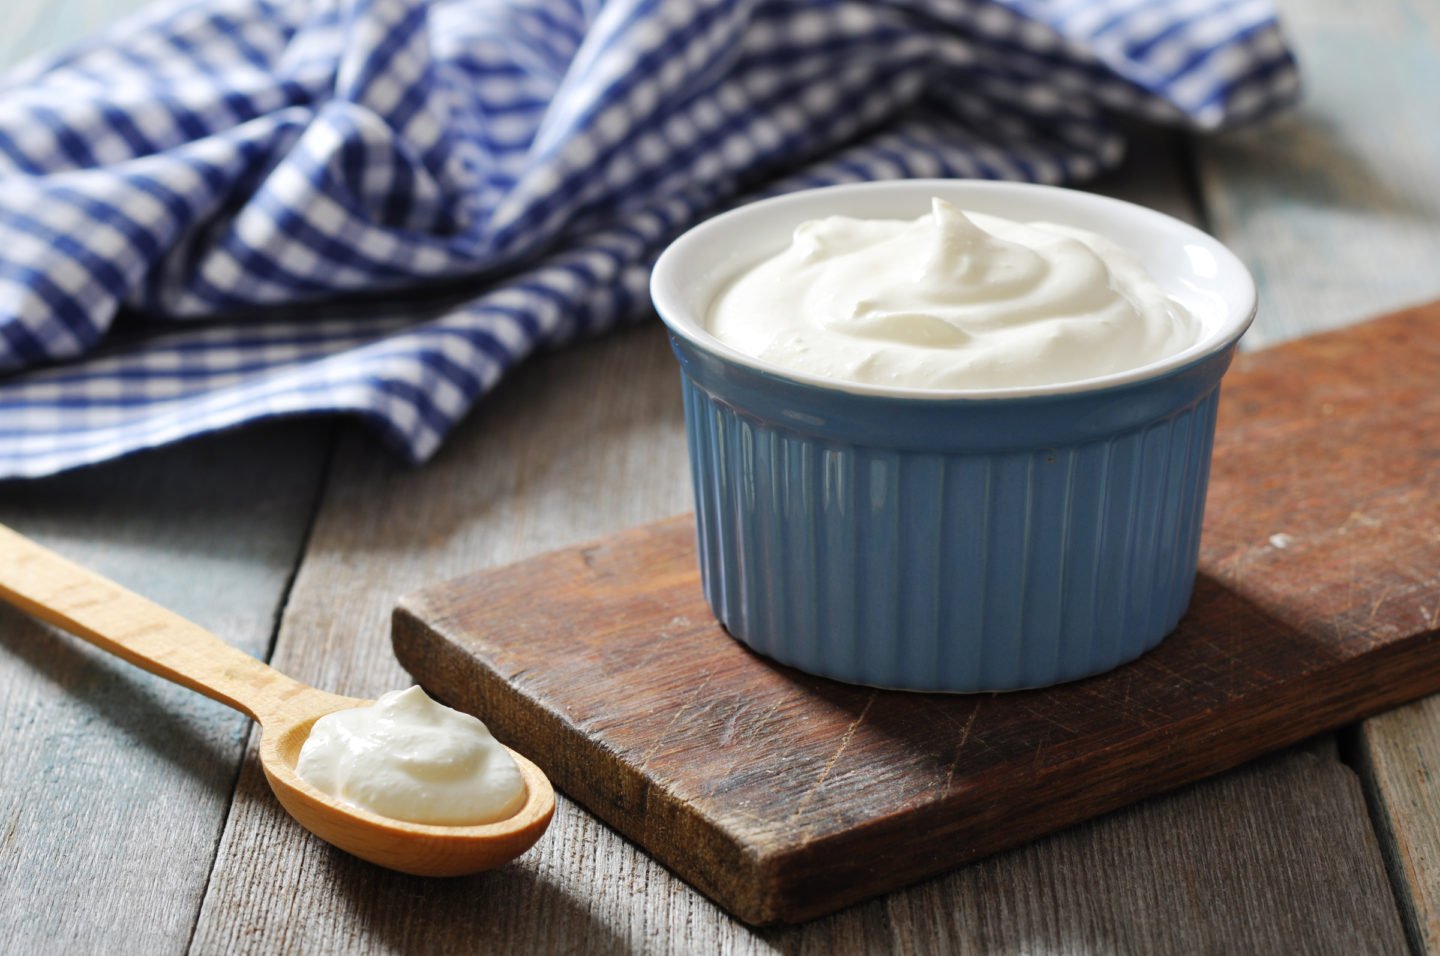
{"points": [[784, 797]]}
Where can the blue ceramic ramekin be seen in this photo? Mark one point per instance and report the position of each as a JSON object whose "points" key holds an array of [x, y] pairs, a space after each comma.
{"points": [[946, 540]]}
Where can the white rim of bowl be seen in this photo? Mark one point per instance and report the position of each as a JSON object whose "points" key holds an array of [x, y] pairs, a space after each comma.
{"points": [[679, 320]]}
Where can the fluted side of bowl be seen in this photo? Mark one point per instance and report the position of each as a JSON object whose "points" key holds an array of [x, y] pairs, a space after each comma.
{"points": [[964, 558]]}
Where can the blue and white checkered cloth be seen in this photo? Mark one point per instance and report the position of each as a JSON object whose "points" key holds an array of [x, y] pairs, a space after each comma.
{"points": [[229, 210]]}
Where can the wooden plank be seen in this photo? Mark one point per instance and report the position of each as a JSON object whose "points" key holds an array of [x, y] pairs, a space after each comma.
{"points": [[1271, 859], [1208, 869], [1310, 612], [114, 784], [1399, 761], [1333, 206]]}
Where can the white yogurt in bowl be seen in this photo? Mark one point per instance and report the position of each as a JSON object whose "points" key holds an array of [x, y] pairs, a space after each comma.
{"points": [[1193, 272], [950, 301]]}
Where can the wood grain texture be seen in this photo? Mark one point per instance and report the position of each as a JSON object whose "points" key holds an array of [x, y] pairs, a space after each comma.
{"points": [[1198, 871], [784, 797], [1333, 206], [1399, 760], [114, 783]]}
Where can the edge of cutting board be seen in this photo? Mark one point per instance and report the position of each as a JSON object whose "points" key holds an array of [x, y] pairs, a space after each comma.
{"points": [[620, 684]]}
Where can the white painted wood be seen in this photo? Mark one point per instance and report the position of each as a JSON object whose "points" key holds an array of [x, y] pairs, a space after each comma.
{"points": [[1335, 206]]}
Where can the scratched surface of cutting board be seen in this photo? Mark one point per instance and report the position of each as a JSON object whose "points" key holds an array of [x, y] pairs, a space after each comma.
{"points": [[784, 796]]}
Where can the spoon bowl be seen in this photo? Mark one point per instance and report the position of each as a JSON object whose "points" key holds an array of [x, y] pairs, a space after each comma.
{"points": [[62, 593], [419, 848]]}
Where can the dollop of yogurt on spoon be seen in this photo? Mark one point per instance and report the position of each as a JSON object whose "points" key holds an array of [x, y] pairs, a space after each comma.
{"points": [[409, 758]]}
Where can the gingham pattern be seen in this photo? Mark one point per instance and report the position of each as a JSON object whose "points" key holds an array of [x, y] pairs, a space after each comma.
{"points": [[174, 192]]}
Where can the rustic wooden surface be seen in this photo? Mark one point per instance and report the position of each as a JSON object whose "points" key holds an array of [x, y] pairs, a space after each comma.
{"points": [[133, 832], [784, 797], [115, 785]]}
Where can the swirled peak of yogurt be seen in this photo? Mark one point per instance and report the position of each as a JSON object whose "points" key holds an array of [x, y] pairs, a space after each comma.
{"points": [[409, 758], [950, 301]]}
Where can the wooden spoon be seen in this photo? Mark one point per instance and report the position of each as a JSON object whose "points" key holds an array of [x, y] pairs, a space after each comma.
{"points": [[47, 586]]}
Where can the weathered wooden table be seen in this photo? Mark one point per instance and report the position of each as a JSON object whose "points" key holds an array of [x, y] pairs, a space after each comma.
{"points": [[133, 815]]}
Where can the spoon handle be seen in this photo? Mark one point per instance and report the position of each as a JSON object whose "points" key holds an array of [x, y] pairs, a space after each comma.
{"points": [[47, 586]]}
